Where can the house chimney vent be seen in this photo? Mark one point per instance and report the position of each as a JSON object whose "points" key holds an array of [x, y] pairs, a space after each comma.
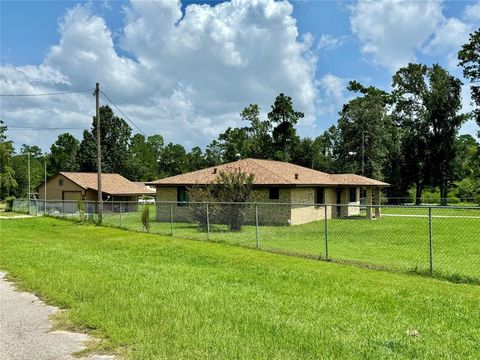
{"points": [[214, 170], [296, 176]]}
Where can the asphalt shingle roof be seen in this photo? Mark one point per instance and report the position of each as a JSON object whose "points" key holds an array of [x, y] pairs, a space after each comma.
{"points": [[269, 172], [113, 184]]}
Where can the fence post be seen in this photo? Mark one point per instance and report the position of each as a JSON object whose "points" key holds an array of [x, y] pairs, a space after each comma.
{"points": [[326, 232], [120, 211], [257, 239], [171, 219], [431, 238], [208, 224]]}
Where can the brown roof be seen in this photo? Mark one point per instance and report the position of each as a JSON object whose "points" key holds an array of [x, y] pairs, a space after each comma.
{"points": [[113, 184], [269, 172]]}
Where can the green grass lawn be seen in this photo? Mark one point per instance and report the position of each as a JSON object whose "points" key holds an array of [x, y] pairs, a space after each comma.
{"points": [[154, 297], [9, 214], [399, 240]]}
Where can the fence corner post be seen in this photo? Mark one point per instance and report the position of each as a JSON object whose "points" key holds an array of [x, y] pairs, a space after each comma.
{"points": [[120, 211], [171, 219], [208, 223], [326, 232], [257, 239], [430, 238]]}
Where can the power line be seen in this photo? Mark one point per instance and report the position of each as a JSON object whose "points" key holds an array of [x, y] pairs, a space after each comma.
{"points": [[46, 94], [42, 128], [122, 113]]}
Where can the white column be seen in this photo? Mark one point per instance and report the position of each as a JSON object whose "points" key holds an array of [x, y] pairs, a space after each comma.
{"points": [[369, 202]]}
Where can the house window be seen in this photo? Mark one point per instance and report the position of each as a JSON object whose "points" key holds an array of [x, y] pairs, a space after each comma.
{"points": [[182, 197], [274, 193], [353, 194], [319, 195]]}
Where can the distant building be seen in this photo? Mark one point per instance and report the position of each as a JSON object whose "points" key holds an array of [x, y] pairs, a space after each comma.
{"points": [[280, 182], [83, 186]]}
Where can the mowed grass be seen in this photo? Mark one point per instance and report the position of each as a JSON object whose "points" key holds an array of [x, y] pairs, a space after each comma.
{"points": [[399, 240], [154, 297]]}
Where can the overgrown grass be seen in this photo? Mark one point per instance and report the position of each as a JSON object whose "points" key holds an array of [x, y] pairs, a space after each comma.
{"points": [[399, 240], [154, 297]]}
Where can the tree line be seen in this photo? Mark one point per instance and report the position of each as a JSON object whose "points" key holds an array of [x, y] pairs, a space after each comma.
{"points": [[407, 137]]}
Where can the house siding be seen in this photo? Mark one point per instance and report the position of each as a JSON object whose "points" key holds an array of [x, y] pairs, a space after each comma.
{"points": [[352, 210], [271, 215], [302, 214], [55, 191], [291, 212]]}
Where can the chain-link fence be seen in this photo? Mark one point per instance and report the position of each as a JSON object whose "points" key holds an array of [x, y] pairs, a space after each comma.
{"points": [[443, 241]]}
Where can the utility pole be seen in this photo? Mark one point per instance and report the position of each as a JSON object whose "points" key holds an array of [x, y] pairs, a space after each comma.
{"points": [[363, 152], [99, 156], [45, 190], [29, 190]]}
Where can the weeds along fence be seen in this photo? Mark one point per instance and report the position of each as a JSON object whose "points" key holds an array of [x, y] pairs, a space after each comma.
{"points": [[442, 241]]}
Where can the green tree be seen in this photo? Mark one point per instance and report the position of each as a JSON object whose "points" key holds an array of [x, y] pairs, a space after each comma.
{"points": [[234, 143], [87, 153], [283, 118], [63, 154], [469, 57], [7, 173], [259, 133], [213, 154], [115, 138], [364, 137], [143, 156], [328, 143], [196, 159], [427, 105], [233, 189], [20, 167], [173, 160]]}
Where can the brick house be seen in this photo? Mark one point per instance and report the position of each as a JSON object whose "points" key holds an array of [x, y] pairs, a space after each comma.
{"points": [[276, 182], [75, 186]]}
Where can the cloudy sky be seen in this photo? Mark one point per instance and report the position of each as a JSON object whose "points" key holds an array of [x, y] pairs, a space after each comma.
{"points": [[185, 69]]}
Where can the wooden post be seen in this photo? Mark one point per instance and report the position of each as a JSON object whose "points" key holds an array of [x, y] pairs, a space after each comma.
{"points": [[99, 156]]}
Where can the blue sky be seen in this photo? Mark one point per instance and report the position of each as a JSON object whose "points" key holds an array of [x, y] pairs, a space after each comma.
{"points": [[337, 41]]}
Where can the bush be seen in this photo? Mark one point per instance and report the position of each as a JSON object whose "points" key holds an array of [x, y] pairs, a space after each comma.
{"points": [[146, 218], [81, 210], [232, 186], [9, 202]]}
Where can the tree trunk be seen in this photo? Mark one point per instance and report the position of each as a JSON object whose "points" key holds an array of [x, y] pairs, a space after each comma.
{"points": [[418, 193], [443, 193]]}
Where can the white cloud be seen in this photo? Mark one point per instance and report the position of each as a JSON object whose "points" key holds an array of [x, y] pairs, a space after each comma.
{"points": [[329, 42], [187, 76], [391, 31], [334, 94], [472, 12]]}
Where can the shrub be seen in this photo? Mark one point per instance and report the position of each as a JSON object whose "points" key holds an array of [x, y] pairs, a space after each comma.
{"points": [[146, 218], [9, 203], [232, 186], [81, 210]]}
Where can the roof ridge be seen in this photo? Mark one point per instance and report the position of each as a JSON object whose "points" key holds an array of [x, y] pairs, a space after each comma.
{"points": [[280, 176]]}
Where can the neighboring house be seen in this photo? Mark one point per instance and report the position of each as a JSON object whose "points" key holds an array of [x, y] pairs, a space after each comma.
{"points": [[282, 183], [83, 186]]}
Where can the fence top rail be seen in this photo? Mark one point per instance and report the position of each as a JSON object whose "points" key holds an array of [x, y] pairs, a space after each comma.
{"points": [[443, 207]]}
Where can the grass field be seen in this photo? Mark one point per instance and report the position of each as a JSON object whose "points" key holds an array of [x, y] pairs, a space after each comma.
{"points": [[9, 214], [399, 240], [153, 297]]}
